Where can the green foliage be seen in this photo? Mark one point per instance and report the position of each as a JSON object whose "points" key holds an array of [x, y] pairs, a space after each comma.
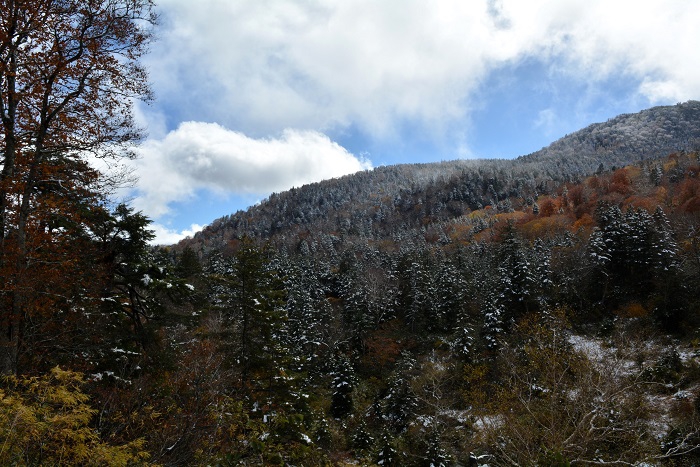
{"points": [[387, 456], [362, 439], [554, 459], [249, 297], [436, 456]]}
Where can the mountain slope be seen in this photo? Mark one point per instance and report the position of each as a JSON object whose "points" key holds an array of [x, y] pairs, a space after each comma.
{"points": [[387, 200], [627, 138]]}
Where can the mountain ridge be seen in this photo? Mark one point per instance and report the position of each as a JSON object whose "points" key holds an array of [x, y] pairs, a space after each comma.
{"points": [[379, 202]]}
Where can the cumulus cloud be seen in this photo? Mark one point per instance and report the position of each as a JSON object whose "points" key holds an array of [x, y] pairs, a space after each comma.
{"points": [[206, 156], [166, 236], [374, 65]]}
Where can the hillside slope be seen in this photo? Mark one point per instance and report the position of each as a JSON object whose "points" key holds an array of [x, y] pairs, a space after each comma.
{"points": [[387, 200]]}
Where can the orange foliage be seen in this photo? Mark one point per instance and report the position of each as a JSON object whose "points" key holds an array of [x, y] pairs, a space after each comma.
{"points": [[671, 163], [514, 217], [688, 198], [660, 194], [620, 182], [548, 207], [692, 205], [593, 182], [584, 222], [382, 348], [634, 173], [460, 232], [577, 195], [546, 226], [647, 203]]}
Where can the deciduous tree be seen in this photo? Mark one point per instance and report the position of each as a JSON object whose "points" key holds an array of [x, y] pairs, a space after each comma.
{"points": [[69, 74]]}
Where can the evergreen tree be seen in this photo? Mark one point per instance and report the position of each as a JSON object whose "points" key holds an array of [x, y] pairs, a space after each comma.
{"points": [[362, 439], [634, 252], [308, 311], [400, 403], [188, 264], [251, 303], [436, 455], [342, 385], [387, 455], [495, 323], [518, 282], [463, 341], [416, 292], [449, 302], [141, 284]]}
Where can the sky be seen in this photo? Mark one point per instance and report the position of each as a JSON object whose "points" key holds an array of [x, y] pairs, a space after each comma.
{"points": [[259, 96]]}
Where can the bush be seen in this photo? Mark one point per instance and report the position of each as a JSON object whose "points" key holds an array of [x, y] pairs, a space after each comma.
{"points": [[46, 421]]}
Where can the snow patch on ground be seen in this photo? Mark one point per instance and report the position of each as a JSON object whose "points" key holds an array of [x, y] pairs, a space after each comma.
{"points": [[590, 347]]}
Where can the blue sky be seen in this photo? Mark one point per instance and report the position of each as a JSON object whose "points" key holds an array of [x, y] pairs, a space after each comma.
{"points": [[254, 97]]}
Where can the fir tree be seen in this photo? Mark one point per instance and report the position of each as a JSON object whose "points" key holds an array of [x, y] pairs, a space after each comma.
{"points": [[387, 455], [343, 383], [436, 455]]}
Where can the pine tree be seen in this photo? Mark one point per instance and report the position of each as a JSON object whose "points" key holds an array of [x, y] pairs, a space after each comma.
{"points": [[251, 303], [449, 288], [188, 264], [308, 311], [634, 252], [362, 439], [494, 321], [518, 282]]}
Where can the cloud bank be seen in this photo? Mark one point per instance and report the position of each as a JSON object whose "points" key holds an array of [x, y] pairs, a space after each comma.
{"points": [[206, 156], [375, 65]]}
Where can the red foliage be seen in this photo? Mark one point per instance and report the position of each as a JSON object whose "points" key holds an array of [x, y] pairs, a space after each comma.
{"points": [[688, 198], [620, 182], [548, 207]]}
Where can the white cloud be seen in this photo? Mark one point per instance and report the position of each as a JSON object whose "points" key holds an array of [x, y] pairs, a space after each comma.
{"points": [[546, 120], [206, 156], [166, 236], [652, 41], [264, 66]]}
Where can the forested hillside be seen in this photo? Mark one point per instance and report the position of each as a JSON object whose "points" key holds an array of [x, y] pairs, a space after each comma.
{"points": [[390, 200], [538, 311], [557, 332], [484, 312]]}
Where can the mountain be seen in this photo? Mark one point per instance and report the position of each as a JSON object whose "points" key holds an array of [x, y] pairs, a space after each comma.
{"points": [[389, 200], [626, 139]]}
